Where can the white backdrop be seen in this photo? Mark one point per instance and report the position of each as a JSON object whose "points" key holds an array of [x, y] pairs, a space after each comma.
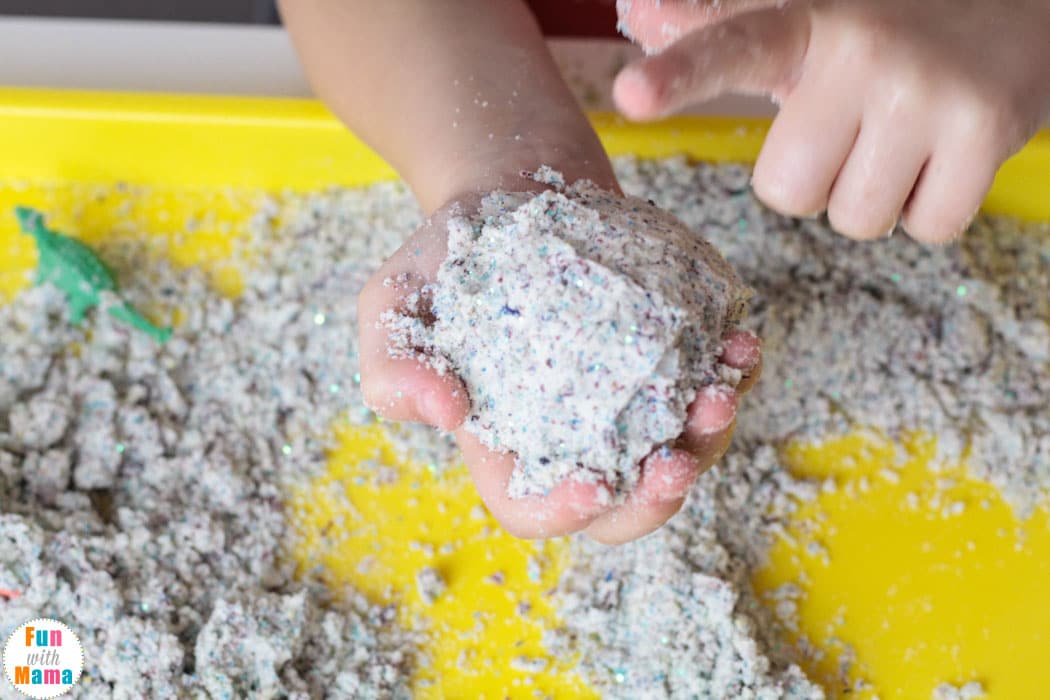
{"points": [[236, 60]]}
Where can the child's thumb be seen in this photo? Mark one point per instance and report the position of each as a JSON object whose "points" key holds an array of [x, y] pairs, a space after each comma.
{"points": [[755, 53], [407, 390]]}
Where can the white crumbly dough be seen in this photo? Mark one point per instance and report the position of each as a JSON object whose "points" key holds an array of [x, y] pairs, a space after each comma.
{"points": [[673, 615], [430, 584], [583, 324]]}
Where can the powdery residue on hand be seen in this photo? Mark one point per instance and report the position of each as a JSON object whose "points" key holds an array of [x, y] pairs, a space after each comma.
{"points": [[582, 323]]}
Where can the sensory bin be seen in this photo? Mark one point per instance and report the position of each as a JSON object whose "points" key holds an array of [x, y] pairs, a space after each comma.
{"points": [[922, 596]]}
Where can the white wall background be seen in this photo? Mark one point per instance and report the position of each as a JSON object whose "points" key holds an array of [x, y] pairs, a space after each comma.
{"points": [[236, 60]]}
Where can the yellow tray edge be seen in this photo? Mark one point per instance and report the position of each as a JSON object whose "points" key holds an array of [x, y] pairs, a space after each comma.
{"points": [[275, 144]]}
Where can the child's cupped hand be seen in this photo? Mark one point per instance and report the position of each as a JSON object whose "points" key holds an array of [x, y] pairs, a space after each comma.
{"points": [[890, 110], [404, 389]]}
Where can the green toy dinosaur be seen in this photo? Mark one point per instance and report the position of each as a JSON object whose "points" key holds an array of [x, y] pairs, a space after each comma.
{"points": [[77, 271]]}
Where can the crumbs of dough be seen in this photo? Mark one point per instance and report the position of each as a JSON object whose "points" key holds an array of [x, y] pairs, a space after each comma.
{"points": [[143, 484], [430, 584], [969, 691]]}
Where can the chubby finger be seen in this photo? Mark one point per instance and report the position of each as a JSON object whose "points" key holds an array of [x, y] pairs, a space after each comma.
{"points": [[409, 390], [880, 172], [656, 24], [709, 424], [949, 193], [568, 507], [807, 145], [755, 53], [742, 350], [667, 475]]}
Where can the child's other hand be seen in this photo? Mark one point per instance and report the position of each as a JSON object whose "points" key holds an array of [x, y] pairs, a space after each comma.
{"points": [[889, 108], [403, 389]]}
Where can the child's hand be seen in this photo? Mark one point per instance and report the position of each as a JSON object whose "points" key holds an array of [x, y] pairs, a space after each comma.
{"points": [[402, 389], [472, 99], [888, 107]]}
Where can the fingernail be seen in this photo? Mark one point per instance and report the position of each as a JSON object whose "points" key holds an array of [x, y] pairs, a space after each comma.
{"points": [[595, 506], [672, 496], [719, 394], [678, 478], [428, 406], [636, 96], [754, 352]]}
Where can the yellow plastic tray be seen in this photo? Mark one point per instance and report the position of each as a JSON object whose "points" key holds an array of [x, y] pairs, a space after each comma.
{"points": [[274, 144], [921, 598]]}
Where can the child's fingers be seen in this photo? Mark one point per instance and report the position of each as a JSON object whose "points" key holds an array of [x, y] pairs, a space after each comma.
{"points": [[666, 474], [666, 478], [570, 506], [400, 388], [712, 415], [709, 425], [758, 53], [750, 378], [407, 390], [742, 350], [809, 141], [949, 192], [877, 179], [656, 24]]}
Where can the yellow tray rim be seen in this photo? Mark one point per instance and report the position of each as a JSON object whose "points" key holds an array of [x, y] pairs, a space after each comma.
{"points": [[275, 144]]}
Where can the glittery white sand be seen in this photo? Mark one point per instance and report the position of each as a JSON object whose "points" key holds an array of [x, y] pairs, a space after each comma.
{"points": [[143, 485]]}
